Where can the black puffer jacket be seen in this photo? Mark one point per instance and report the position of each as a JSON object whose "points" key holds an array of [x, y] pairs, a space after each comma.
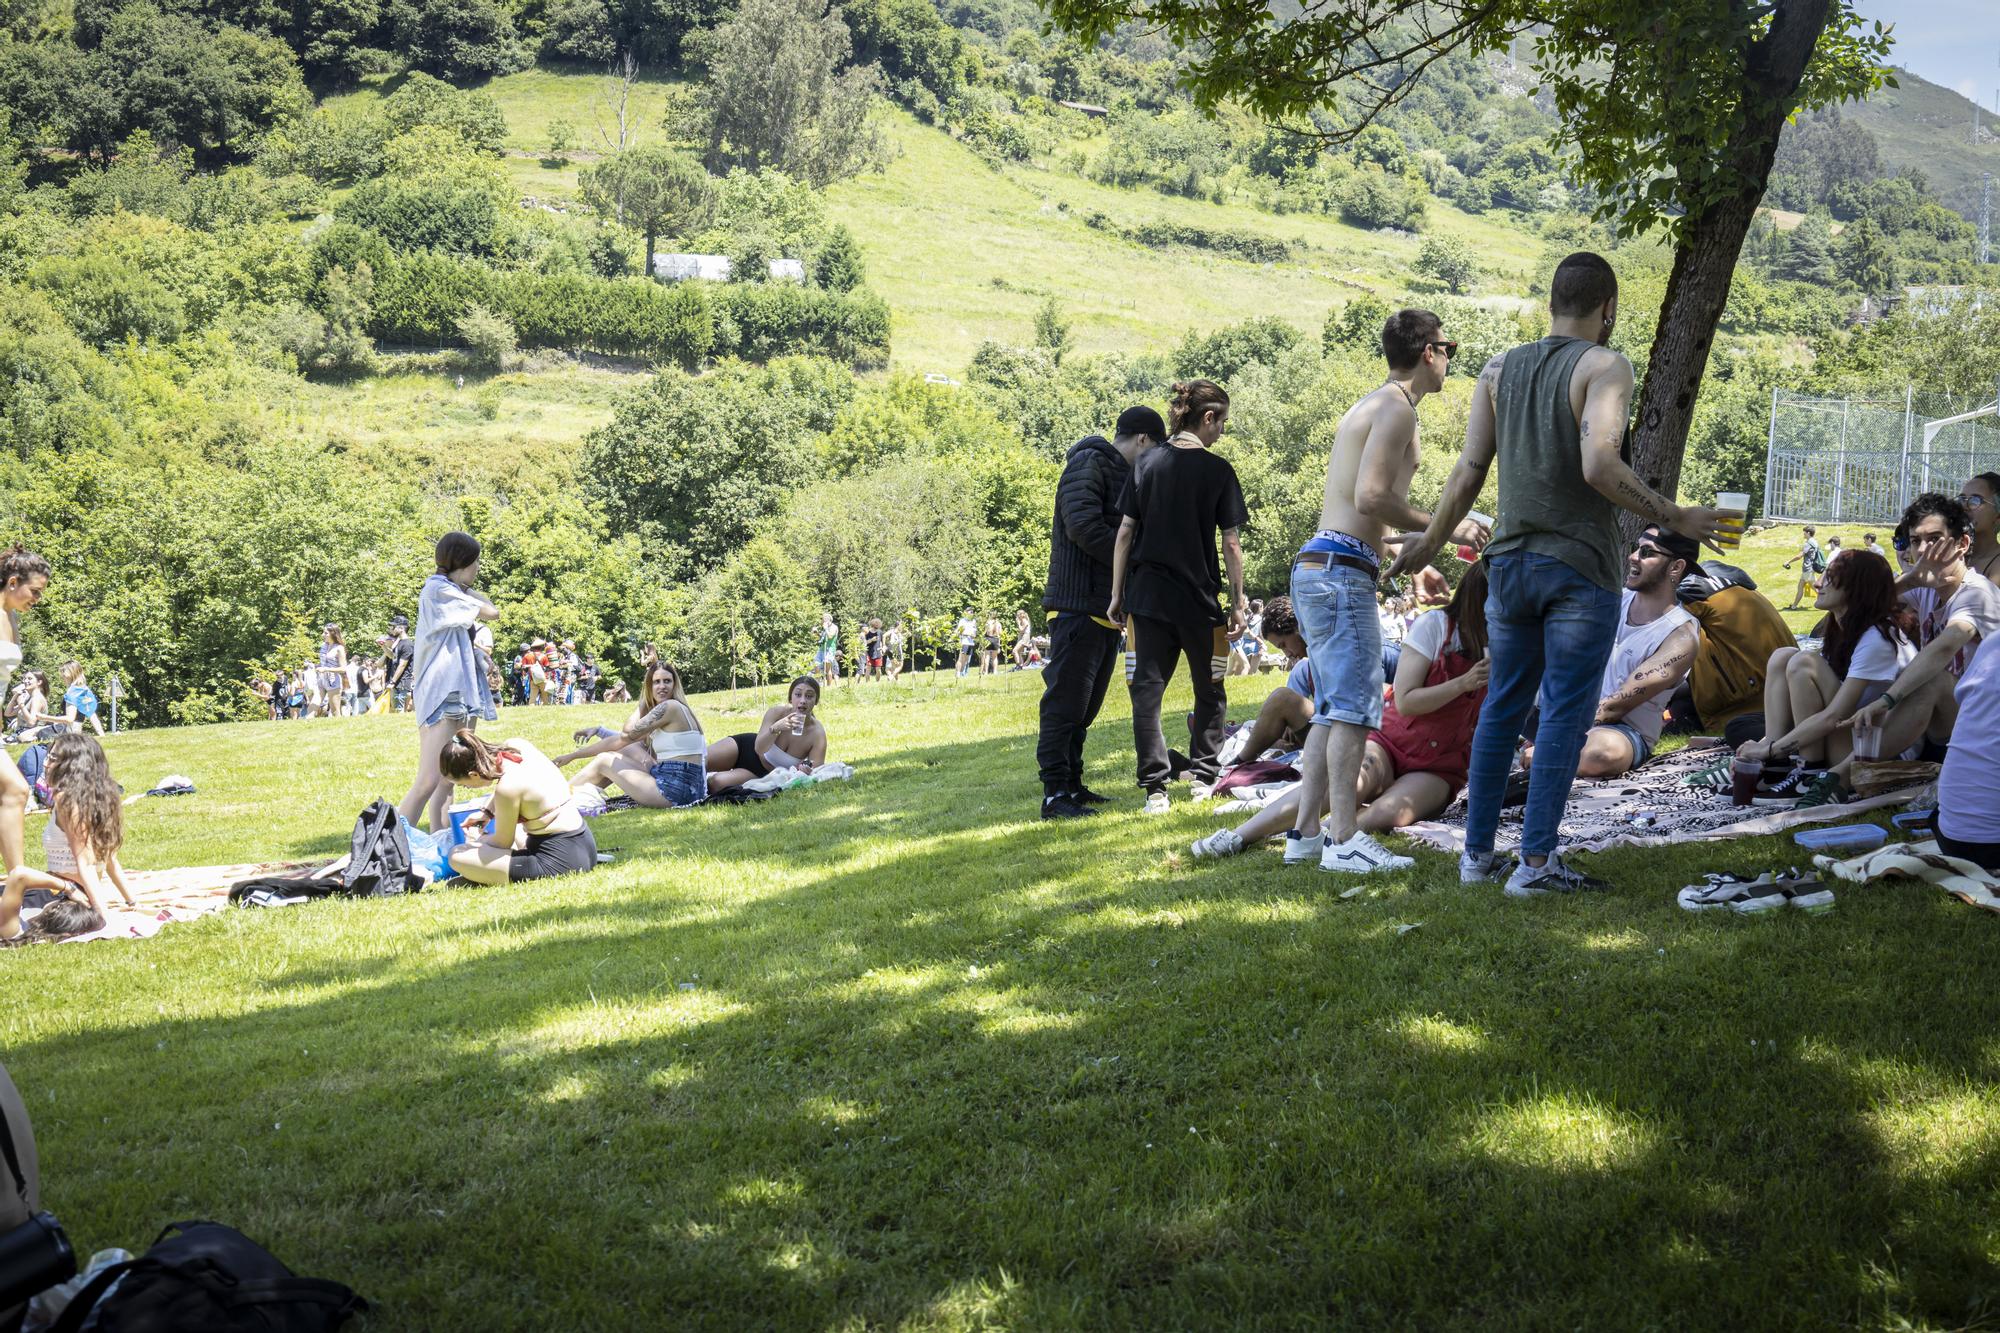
{"points": [[1085, 528]]}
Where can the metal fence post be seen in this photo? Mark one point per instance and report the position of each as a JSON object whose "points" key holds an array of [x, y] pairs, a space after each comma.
{"points": [[1840, 461], [1909, 423], [1771, 458]]}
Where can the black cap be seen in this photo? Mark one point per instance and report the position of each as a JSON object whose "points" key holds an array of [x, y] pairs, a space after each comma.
{"points": [[399, 621], [1141, 421], [1675, 545]]}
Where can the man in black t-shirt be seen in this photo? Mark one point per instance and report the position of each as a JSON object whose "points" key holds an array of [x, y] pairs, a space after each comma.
{"points": [[401, 653], [1164, 574]]}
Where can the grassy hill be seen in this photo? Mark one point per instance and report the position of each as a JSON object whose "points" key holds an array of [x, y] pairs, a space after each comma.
{"points": [[1924, 126], [893, 1053]]}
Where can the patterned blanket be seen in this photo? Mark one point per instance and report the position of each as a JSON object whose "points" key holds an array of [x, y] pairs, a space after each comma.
{"points": [[1652, 806], [166, 896], [1920, 860]]}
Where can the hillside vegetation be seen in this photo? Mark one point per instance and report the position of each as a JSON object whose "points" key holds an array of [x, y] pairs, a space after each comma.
{"points": [[268, 331]]}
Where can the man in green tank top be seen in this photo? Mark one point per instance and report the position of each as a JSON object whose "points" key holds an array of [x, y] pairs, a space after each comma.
{"points": [[1553, 413]]}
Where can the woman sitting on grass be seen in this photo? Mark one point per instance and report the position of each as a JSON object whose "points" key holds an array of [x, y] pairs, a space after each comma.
{"points": [[85, 829], [657, 759], [789, 737], [533, 829], [1416, 761], [1807, 696]]}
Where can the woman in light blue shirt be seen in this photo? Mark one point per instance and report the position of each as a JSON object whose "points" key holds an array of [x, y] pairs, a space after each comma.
{"points": [[451, 687]]}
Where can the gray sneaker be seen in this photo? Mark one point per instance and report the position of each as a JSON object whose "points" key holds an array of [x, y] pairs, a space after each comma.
{"points": [[1484, 867], [1222, 842], [1552, 876]]}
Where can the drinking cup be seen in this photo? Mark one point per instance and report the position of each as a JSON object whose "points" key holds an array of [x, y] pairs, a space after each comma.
{"points": [[1744, 775], [1735, 502]]}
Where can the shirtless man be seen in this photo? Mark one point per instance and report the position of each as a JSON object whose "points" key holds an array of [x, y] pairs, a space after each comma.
{"points": [[1553, 412], [1333, 590]]}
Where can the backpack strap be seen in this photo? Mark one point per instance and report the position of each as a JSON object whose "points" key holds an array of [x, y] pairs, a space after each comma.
{"points": [[86, 1299], [296, 1291]]}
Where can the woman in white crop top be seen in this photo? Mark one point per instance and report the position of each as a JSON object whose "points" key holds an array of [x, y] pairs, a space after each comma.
{"points": [[657, 759], [23, 576]]}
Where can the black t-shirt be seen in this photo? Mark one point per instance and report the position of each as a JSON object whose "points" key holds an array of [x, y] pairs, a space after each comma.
{"points": [[401, 651], [1181, 498]]}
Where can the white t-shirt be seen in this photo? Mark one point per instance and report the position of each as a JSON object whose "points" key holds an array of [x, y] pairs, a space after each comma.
{"points": [[1429, 635], [967, 633], [1878, 661], [1976, 601], [1969, 787], [1635, 644]]}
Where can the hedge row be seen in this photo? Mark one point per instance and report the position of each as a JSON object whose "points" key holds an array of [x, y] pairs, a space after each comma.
{"points": [[1158, 235], [419, 297]]}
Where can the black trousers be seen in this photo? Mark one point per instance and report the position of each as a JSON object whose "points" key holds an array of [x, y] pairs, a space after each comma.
{"points": [[1083, 656], [1157, 645]]}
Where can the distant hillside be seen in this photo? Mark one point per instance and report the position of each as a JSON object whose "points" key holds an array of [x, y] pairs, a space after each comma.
{"points": [[1925, 126]]}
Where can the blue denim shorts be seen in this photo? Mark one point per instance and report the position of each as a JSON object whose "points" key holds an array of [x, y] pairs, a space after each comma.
{"points": [[452, 706], [1336, 611], [681, 781], [1642, 749]]}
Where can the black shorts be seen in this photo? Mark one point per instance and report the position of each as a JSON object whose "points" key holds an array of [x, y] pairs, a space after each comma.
{"points": [[747, 756], [549, 855], [1983, 854]]}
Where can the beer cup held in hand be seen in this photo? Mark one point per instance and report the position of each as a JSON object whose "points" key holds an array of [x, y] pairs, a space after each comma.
{"points": [[1737, 502]]}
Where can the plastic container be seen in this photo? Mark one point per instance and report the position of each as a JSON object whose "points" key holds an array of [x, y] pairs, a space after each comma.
{"points": [[1843, 838], [458, 818]]}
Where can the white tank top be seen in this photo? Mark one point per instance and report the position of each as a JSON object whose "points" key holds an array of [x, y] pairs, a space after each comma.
{"points": [[679, 746], [1635, 644]]}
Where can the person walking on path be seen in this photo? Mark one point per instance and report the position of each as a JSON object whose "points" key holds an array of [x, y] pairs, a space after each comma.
{"points": [[1375, 453], [1554, 413], [1083, 643], [1811, 562], [451, 687], [1177, 502]]}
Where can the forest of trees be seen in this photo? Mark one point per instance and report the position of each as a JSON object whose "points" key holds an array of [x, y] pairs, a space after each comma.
{"points": [[185, 227]]}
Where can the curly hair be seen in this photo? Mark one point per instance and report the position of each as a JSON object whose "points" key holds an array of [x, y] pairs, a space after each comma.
{"points": [[84, 797], [18, 562], [1194, 400]]}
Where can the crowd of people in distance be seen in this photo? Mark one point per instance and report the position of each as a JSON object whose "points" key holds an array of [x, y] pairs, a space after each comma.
{"points": [[1562, 652], [533, 824], [884, 650]]}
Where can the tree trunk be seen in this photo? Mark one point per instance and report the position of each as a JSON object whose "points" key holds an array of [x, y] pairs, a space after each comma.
{"points": [[649, 274], [1710, 244]]}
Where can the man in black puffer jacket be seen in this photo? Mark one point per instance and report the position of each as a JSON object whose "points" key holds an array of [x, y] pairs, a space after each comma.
{"points": [[1083, 645]]}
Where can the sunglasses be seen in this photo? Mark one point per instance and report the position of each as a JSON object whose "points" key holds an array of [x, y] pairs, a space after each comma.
{"points": [[1649, 552], [1450, 348], [1972, 501]]}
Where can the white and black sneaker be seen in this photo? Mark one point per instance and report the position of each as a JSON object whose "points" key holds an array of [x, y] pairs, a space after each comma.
{"points": [[1787, 787], [1552, 876], [1485, 867], [1361, 855], [1222, 842]]}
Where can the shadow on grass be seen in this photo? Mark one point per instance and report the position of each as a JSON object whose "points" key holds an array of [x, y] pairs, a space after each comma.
{"points": [[857, 1056]]}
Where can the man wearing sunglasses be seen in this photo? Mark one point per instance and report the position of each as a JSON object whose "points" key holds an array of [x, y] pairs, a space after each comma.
{"points": [[1553, 412], [1374, 455]]}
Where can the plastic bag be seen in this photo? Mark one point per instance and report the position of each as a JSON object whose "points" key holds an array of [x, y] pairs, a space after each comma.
{"points": [[429, 856]]}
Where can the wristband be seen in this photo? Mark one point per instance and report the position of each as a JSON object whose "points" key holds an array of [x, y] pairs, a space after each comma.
{"points": [[1889, 697]]}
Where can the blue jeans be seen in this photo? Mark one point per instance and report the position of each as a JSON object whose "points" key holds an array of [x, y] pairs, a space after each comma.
{"points": [[1336, 611], [1547, 627]]}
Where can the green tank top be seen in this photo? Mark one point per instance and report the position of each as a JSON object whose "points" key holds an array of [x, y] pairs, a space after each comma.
{"points": [[1545, 504]]}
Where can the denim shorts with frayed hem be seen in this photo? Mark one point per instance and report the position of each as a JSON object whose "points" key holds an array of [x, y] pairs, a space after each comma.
{"points": [[1343, 634], [681, 781]]}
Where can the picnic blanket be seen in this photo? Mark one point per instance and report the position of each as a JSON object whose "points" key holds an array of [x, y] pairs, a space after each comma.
{"points": [[1920, 860], [1652, 806], [182, 894]]}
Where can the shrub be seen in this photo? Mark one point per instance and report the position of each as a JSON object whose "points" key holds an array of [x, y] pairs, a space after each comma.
{"points": [[1375, 199], [458, 220], [488, 337], [1450, 261]]}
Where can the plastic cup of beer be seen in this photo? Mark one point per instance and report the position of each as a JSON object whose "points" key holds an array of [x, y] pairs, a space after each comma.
{"points": [[1736, 502], [1867, 742], [1744, 775]]}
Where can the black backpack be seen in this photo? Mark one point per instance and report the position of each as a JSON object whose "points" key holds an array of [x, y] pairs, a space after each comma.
{"points": [[378, 860], [203, 1277]]}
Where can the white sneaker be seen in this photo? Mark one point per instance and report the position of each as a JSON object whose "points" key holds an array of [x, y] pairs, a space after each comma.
{"points": [[1222, 842], [1303, 851], [1484, 867], [1156, 803], [1200, 791], [1552, 876], [1361, 855]]}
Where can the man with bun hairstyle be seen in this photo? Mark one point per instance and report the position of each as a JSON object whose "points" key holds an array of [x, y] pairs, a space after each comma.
{"points": [[1083, 643], [1177, 502], [1553, 412]]}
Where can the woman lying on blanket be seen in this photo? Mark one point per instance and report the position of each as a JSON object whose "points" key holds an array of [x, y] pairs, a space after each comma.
{"points": [[657, 759], [86, 826], [1807, 696], [533, 829], [1416, 761], [789, 737]]}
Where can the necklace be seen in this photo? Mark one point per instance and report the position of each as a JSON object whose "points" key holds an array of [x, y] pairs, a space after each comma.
{"points": [[1405, 391]]}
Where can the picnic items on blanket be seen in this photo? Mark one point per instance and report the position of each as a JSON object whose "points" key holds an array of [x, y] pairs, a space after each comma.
{"points": [[1963, 880], [1599, 814], [173, 784], [784, 779], [1890, 775], [378, 865], [204, 1277], [1255, 774]]}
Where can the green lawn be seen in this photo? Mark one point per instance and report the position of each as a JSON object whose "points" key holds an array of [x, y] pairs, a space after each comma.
{"points": [[895, 1054]]}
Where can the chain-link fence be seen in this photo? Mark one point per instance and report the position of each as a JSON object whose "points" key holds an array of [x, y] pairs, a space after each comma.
{"points": [[1862, 459]]}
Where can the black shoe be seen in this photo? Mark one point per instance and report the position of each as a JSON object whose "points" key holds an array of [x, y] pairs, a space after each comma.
{"points": [[1085, 796], [1062, 807]]}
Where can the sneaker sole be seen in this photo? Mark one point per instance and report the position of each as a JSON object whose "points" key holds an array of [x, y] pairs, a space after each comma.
{"points": [[1368, 867], [1201, 853], [1814, 903], [1769, 902]]}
